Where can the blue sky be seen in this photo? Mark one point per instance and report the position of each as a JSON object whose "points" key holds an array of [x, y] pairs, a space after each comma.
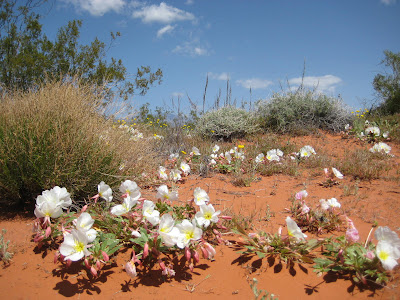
{"points": [[257, 44]]}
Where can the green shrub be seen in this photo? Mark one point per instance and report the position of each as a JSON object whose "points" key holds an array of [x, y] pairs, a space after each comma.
{"points": [[56, 135], [226, 123], [301, 112]]}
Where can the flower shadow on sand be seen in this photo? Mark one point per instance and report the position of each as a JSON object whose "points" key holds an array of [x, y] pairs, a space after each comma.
{"points": [[84, 284], [357, 287], [154, 277]]}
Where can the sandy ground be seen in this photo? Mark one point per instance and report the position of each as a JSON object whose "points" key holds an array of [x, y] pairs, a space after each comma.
{"points": [[33, 274]]}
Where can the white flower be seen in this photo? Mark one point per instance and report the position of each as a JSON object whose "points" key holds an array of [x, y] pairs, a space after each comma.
{"points": [[167, 231], [294, 230], [105, 191], [260, 158], [48, 210], [185, 168], [195, 151], [373, 130], [215, 149], [381, 147], [228, 157], [125, 207], [157, 137], [162, 174], [385, 234], [58, 196], [387, 254], [164, 194], [213, 162], [329, 204], [149, 212], [206, 215], [347, 127], [307, 151], [75, 245], [188, 231], [300, 195], [130, 188], [214, 156], [173, 156], [337, 173], [175, 175], [200, 196], [239, 155], [385, 135], [136, 233], [84, 222], [272, 155], [333, 203]]}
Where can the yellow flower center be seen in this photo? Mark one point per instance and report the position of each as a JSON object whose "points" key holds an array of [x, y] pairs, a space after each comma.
{"points": [[207, 216], [189, 235], [383, 255], [79, 246]]}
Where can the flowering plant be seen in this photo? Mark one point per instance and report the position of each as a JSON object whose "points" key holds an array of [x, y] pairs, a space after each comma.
{"points": [[363, 262], [324, 218], [290, 248], [156, 232]]}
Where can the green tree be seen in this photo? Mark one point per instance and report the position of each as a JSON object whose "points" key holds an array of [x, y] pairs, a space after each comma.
{"points": [[387, 86], [28, 57]]}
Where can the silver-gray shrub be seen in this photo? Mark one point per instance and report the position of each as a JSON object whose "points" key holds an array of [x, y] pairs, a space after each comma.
{"points": [[226, 123], [303, 110]]}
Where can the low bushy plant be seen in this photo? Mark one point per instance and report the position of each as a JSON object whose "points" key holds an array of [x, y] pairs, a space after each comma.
{"points": [[57, 134], [302, 111], [226, 123]]}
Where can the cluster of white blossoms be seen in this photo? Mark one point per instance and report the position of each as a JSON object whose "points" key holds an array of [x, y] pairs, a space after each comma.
{"points": [[50, 203], [380, 148], [174, 174], [329, 204], [235, 153], [272, 155], [307, 151]]}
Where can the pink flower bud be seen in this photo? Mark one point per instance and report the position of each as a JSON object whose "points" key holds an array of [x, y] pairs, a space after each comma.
{"points": [[105, 256], [162, 265], [191, 267], [87, 265], [69, 262], [98, 265], [210, 249], [225, 217], [145, 251], [130, 269], [280, 230], [38, 238], [187, 253], [195, 256], [48, 232], [216, 232], [204, 252], [370, 255], [84, 208], [93, 271]]}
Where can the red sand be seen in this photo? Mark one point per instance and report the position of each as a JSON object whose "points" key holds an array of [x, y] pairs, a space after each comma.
{"points": [[34, 275]]}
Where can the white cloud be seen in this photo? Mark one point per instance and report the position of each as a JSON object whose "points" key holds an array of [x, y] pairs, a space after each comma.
{"points": [[222, 76], [166, 29], [98, 7], [192, 48], [322, 84], [162, 13], [189, 2], [388, 2], [254, 83]]}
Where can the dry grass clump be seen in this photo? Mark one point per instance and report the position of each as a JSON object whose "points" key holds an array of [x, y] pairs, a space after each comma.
{"points": [[57, 135], [364, 165]]}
